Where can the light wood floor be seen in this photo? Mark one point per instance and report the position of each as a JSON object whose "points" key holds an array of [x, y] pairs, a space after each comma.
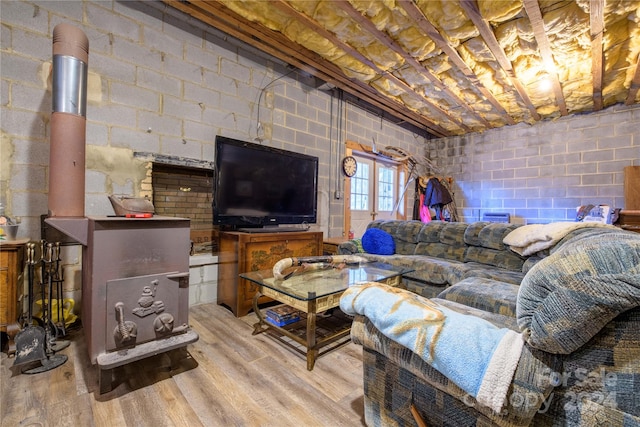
{"points": [[227, 378]]}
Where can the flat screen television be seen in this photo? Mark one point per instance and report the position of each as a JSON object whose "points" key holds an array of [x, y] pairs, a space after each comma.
{"points": [[256, 186]]}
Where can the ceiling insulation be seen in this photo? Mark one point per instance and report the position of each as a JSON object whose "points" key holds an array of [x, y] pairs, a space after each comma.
{"points": [[451, 66]]}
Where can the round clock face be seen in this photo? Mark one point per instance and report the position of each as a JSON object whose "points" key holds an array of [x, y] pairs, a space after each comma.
{"points": [[349, 166]]}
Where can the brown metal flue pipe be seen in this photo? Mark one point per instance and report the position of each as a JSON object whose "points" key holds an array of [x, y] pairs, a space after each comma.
{"points": [[68, 122]]}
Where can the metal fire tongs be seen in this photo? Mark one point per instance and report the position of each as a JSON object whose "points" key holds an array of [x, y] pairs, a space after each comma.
{"points": [[51, 360]]}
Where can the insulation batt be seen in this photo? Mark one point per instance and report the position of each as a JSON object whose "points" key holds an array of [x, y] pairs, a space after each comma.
{"points": [[567, 25]]}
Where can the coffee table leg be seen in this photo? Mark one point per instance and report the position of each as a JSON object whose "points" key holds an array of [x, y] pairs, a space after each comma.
{"points": [[257, 327], [312, 351]]}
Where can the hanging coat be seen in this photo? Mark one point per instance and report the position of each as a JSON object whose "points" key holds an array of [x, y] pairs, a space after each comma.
{"points": [[436, 193]]}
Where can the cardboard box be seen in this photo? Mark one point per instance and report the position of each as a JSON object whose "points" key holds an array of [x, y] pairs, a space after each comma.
{"points": [[600, 213]]}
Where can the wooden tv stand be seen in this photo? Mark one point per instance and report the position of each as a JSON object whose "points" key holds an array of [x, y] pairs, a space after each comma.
{"points": [[240, 252]]}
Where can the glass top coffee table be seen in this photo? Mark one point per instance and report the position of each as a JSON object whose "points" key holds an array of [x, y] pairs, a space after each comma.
{"points": [[316, 294]]}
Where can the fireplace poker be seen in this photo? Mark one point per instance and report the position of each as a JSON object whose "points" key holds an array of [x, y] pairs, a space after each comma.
{"points": [[50, 360], [52, 328], [30, 340], [57, 277]]}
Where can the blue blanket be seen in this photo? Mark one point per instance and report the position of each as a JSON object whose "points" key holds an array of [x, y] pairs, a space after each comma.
{"points": [[473, 353]]}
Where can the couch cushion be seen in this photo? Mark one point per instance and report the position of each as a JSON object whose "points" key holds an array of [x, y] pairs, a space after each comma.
{"points": [[430, 233], [530, 262], [566, 298], [453, 234], [484, 294], [389, 226], [440, 250], [499, 320], [408, 231], [498, 258], [437, 270], [492, 235], [427, 290], [405, 248], [409, 261], [472, 231], [488, 272]]}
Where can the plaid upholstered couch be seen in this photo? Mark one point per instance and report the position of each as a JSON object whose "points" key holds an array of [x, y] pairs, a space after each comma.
{"points": [[575, 304]]}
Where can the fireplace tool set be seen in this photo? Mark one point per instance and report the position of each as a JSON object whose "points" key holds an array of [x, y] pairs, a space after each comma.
{"points": [[37, 345]]}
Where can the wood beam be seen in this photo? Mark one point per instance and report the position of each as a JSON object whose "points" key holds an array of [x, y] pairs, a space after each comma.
{"points": [[596, 19], [422, 22], [635, 85], [472, 11], [217, 15], [307, 21], [537, 23], [387, 41]]}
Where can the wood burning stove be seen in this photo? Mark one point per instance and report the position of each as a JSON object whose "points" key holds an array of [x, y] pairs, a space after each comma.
{"points": [[135, 287], [135, 272]]}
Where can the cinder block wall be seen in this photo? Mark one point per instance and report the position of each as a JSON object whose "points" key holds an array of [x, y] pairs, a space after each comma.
{"points": [[161, 83], [541, 173]]}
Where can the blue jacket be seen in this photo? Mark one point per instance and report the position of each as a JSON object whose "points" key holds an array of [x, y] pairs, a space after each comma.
{"points": [[436, 193]]}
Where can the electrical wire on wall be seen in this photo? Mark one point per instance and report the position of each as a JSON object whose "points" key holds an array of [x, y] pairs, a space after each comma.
{"points": [[341, 145], [334, 167], [259, 128]]}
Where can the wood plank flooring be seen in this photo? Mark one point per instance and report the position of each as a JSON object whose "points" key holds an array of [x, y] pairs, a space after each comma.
{"points": [[227, 378]]}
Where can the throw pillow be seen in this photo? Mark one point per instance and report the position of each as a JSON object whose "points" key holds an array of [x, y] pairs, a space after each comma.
{"points": [[379, 242]]}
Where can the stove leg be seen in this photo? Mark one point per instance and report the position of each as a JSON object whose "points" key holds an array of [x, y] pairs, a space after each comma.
{"points": [[176, 357], [105, 380]]}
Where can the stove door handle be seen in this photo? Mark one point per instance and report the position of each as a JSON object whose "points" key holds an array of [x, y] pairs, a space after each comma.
{"points": [[174, 276], [180, 277]]}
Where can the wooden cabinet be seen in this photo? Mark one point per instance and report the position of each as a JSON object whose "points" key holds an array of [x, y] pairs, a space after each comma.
{"points": [[11, 287], [330, 245], [240, 252], [629, 220]]}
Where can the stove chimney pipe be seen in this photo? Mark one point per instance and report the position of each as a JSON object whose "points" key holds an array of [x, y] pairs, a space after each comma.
{"points": [[68, 122]]}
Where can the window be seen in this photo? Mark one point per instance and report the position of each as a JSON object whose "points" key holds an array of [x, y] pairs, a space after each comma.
{"points": [[360, 188], [386, 186]]}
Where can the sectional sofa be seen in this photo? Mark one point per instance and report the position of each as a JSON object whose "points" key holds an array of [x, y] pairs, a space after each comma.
{"points": [[541, 330]]}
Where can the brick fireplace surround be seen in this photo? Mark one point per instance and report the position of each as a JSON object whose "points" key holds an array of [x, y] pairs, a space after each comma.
{"points": [[186, 192]]}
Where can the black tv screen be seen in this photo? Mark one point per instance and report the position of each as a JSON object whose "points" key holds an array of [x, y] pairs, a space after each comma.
{"points": [[257, 186]]}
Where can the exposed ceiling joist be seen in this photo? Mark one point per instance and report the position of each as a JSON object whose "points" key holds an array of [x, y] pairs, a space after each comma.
{"points": [[597, 28], [635, 84], [219, 16], [535, 16], [471, 8], [449, 67], [346, 7], [286, 8], [429, 29]]}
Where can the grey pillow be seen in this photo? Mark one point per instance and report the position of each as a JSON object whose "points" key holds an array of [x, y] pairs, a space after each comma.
{"points": [[566, 298]]}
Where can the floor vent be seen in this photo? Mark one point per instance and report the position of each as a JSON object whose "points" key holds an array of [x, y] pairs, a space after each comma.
{"points": [[496, 217]]}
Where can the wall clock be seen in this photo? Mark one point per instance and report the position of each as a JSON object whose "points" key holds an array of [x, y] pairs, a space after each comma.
{"points": [[349, 166]]}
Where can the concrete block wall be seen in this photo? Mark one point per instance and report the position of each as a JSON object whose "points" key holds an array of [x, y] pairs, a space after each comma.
{"points": [[159, 82], [541, 173], [203, 279], [162, 83]]}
